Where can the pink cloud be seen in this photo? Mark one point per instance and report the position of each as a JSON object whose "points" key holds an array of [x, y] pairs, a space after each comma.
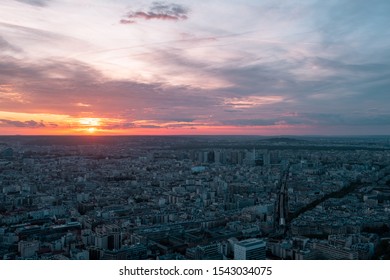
{"points": [[162, 16], [158, 11], [127, 21]]}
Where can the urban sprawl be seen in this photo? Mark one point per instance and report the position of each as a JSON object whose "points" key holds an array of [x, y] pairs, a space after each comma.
{"points": [[194, 198]]}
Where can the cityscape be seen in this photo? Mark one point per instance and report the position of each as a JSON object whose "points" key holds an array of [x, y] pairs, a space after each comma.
{"points": [[194, 130], [194, 197]]}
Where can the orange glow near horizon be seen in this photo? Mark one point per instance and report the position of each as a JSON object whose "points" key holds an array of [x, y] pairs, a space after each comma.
{"points": [[211, 130], [12, 123], [90, 125], [91, 130]]}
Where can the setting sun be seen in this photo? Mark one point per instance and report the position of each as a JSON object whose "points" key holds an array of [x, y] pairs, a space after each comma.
{"points": [[89, 125], [91, 130]]}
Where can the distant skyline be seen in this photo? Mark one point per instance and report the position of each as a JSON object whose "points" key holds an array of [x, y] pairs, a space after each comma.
{"points": [[252, 67]]}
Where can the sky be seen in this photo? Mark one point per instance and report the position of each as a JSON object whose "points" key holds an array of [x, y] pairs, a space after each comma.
{"points": [[246, 67]]}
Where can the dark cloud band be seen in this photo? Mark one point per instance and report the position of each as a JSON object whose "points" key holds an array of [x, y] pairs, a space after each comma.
{"points": [[29, 124]]}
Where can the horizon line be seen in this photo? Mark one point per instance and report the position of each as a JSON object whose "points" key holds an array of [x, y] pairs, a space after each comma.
{"points": [[192, 135]]}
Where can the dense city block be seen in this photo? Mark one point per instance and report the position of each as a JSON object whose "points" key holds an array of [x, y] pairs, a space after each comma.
{"points": [[204, 197]]}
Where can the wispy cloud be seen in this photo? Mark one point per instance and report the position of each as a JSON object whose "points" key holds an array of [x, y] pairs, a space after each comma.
{"points": [[266, 121], [251, 101], [157, 11], [8, 93], [29, 124], [314, 119], [75, 89], [39, 3], [80, 104], [6, 46]]}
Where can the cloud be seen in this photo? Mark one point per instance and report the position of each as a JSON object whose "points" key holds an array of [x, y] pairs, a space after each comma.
{"points": [[185, 120], [29, 124], [69, 87], [323, 75], [157, 11], [81, 104], [249, 122], [113, 126], [251, 101], [39, 3], [127, 21], [51, 124], [54, 70], [349, 119], [66, 87], [358, 20], [260, 122], [149, 126], [6, 46], [315, 119]]}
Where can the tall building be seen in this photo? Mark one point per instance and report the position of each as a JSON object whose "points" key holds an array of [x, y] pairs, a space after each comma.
{"points": [[113, 237], [101, 241], [28, 249], [331, 252], [95, 253], [205, 252], [250, 249]]}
